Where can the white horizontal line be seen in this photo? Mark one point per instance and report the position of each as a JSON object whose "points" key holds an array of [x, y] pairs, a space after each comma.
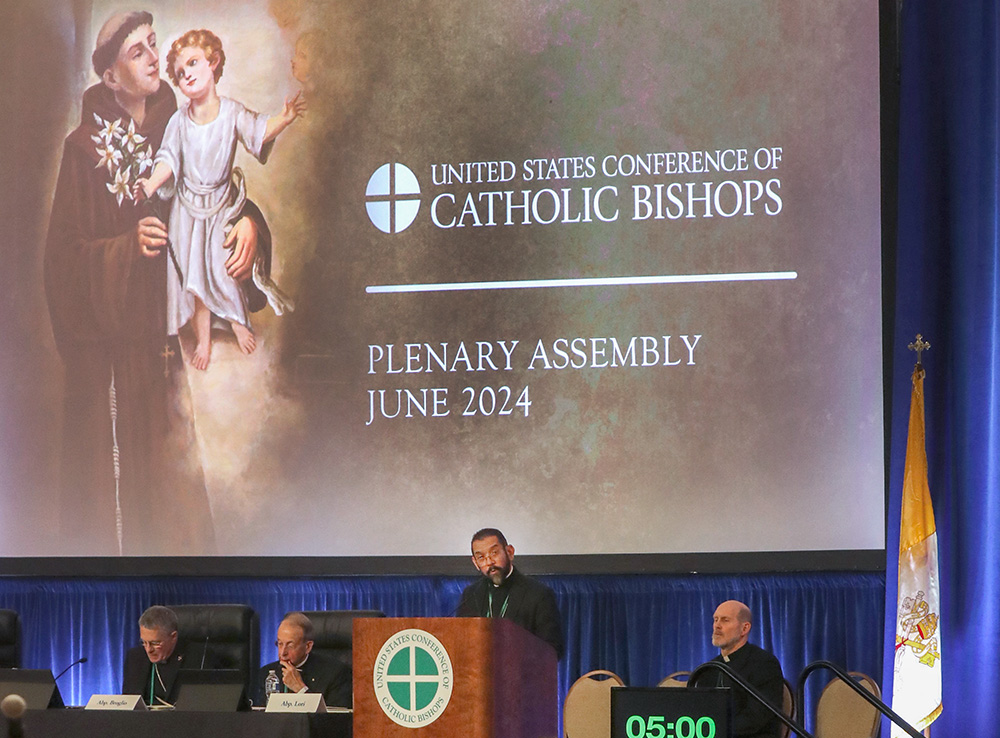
{"points": [[523, 284]]}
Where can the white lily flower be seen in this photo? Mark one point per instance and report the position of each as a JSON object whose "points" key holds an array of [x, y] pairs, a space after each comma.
{"points": [[109, 130], [110, 157], [119, 188], [132, 139], [143, 159]]}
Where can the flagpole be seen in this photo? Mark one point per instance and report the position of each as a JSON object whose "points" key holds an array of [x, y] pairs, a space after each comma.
{"points": [[917, 655]]}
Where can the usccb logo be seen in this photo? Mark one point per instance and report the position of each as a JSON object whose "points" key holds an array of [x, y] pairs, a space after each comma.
{"points": [[392, 198], [413, 678]]}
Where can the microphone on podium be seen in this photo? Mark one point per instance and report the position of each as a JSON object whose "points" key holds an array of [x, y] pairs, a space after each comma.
{"points": [[81, 660], [13, 708]]}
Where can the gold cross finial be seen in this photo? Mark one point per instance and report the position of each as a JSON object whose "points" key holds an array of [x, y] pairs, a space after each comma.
{"points": [[920, 345]]}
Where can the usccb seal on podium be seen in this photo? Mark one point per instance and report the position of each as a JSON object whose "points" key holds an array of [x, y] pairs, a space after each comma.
{"points": [[413, 678]]}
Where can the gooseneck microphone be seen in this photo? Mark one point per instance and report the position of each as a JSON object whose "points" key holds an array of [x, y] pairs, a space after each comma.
{"points": [[81, 660], [13, 708]]}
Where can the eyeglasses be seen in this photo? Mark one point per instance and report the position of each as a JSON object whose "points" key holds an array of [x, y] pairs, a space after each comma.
{"points": [[492, 555], [151, 644]]}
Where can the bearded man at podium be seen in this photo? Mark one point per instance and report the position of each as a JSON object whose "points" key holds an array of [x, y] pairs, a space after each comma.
{"points": [[504, 592]]}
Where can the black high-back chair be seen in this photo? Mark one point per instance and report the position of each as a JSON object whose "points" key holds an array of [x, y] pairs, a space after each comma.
{"points": [[230, 635], [10, 639], [332, 630]]}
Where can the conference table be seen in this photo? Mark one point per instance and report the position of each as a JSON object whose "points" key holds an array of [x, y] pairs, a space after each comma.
{"points": [[80, 723]]}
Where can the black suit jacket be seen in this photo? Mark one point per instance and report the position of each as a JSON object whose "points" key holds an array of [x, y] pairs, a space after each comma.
{"points": [[529, 603], [762, 670], [321, 673], [139, 671]]}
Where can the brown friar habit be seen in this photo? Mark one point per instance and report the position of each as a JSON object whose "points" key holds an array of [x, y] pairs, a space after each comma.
{"points": [[129, 457]]}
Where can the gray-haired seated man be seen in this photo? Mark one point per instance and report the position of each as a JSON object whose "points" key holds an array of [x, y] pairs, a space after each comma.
{"points": [[151, 668]]}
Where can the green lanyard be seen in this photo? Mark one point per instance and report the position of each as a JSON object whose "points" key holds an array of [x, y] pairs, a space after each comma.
{"points": [[154, 674], [503, 607]]}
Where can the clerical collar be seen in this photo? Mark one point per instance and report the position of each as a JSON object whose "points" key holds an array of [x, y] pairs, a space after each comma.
{"points": [[731, 654], [301, 663], [175, 655], [505, 579]]}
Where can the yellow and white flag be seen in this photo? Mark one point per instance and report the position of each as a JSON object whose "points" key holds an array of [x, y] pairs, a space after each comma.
{"points": [[916, 691]]}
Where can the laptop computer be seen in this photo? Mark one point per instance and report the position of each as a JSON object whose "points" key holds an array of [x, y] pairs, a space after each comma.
{"points": [[36, 686], [211, 690]]}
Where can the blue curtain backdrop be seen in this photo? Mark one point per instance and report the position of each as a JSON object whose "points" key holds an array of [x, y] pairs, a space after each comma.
{"points": [[948, 279], [643, 627]]}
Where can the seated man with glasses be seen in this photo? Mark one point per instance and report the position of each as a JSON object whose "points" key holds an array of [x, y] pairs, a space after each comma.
{"points": [[151, 668], [300, 670]]}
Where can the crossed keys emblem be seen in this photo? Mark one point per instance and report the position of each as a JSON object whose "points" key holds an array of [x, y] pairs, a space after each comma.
{"points": [[916, 629]]}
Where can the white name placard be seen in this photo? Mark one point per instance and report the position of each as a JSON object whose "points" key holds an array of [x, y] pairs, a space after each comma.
{"points": [[304, 702], [115, 702]]}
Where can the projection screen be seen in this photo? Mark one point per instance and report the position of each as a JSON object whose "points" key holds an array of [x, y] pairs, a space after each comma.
{"points": [[604, 275]]}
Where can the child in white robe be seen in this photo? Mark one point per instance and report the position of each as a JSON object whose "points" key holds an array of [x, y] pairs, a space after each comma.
{"points": [[198, 151]]}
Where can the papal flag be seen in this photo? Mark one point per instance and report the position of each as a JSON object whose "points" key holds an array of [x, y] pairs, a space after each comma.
{"points": [[916, 691]]}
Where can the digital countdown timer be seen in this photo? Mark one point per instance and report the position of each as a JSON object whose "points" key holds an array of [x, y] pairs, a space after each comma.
{"points": [[662, 712]]}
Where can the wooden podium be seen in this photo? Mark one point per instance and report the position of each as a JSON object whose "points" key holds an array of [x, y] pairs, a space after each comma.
{"points": [[502, 680]]}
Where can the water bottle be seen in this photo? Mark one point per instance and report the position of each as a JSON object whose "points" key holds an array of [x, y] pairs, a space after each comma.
{"points": [[271, 685]]}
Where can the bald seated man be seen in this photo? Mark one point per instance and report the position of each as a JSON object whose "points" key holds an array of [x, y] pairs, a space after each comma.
{"points": [[731, 626]]}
